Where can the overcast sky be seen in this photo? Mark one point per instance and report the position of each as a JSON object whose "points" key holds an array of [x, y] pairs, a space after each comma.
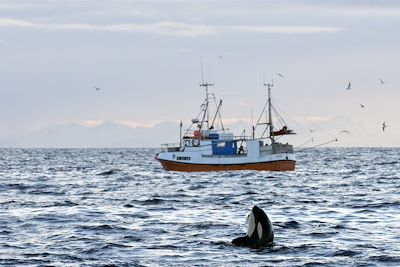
{"points": [[145, 57]]}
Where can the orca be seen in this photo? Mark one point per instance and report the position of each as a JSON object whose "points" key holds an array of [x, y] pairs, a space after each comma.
{"points": [[260, 231]]}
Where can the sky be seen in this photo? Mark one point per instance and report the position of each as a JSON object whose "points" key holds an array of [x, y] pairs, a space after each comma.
{"points": [[146, 58]]}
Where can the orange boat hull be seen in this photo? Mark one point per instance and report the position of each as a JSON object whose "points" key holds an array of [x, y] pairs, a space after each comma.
{"points": [[281, 165]]}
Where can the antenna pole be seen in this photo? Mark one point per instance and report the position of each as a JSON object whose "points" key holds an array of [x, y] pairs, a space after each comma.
{"points": [[202, 75]]}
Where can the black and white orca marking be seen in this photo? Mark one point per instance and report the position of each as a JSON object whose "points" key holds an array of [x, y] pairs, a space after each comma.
{"points": [[260, 232]]}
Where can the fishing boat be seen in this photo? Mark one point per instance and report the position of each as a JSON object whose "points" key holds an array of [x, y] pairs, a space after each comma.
{"points": [[204, 148]]}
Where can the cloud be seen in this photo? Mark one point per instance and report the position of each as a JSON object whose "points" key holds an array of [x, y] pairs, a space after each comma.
{"points": [[166, 28], [134, 124], [16, 23], [365, 11], [91, 123], [283, 29], [353, 9]]}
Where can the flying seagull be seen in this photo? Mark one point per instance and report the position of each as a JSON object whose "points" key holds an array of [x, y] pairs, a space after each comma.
{"points": [[384, 126], [362, 106], [97, 88], [281, 75], [382, 82], [349, 86], [344, 131]]}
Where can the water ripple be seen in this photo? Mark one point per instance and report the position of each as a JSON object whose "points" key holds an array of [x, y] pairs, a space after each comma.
{"points": [[117, 207]]}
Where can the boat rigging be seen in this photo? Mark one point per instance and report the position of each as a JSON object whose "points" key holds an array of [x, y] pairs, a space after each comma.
{"points": [[205, 148]]}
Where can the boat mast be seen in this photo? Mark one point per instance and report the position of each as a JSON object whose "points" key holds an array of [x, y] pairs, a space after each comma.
{"points": [[271, 128], [206, 114], [180, 135]]}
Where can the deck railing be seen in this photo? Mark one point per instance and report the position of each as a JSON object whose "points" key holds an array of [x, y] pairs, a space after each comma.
{"points": [[172, 147]]}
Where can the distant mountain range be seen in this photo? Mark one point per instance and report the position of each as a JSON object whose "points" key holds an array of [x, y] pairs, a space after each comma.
{"points": [[106, 134]]}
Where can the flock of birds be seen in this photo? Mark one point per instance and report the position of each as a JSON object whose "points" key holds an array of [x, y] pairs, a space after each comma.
{"points": [[384, 125]]}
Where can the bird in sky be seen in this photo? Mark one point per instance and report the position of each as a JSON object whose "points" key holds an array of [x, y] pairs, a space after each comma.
{"points": [[312, 130], [384, 126], [382, 82], [97, 88], [344, 131], [362, 106], [281, 75], [349, 86]]}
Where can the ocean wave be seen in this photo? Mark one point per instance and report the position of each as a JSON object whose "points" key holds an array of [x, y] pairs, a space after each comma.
{"points": [[118, 207]]}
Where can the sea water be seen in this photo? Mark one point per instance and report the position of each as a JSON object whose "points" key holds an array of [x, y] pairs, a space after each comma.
{"points": [[118, 207]]}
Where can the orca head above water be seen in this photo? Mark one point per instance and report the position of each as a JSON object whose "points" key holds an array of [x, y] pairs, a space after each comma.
{"points": [[260, 230]]}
